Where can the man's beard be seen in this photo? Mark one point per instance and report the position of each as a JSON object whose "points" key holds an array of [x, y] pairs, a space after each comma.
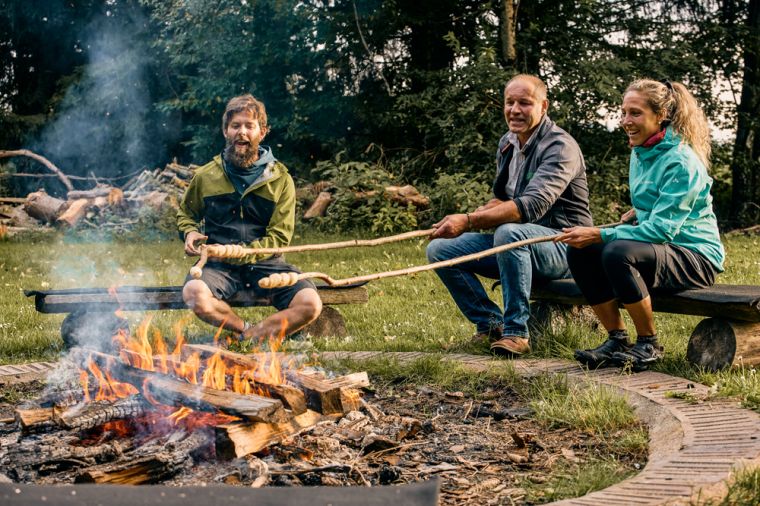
{"points": [[244, 160]]}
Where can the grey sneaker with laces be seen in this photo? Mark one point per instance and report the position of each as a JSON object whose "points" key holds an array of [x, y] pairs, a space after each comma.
{"points": [[640, 356], [601, 356]]}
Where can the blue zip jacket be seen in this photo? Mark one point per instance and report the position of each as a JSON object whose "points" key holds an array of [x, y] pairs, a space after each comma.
{"points": [[670, 191]]}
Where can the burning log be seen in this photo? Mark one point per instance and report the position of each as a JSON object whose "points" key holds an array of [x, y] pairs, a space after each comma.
{"points": [[152, 464], [331, 396], [172, 392], [326, 396], [240, 439], [293, 398], [93, 414]]}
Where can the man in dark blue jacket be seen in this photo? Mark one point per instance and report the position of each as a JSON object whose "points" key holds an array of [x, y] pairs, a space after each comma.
{"points": [[540, 188]]}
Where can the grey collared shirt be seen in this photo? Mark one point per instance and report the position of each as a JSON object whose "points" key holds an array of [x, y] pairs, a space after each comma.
{"points": [[518, 159]]}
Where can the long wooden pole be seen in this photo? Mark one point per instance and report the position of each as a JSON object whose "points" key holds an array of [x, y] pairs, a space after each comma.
{"points": [[291, 278], [238, 251]]}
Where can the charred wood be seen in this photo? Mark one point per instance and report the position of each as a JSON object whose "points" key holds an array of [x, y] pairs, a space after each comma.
{"points": [[93, 414], [150, 464]]}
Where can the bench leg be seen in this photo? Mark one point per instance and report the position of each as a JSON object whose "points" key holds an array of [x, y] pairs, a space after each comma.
{"points": [[717, 343], [91, 329], [551, 318], [329, 323]]}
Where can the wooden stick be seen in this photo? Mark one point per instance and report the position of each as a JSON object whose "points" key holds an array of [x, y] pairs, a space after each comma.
{"points": [[238, 251], [278, 280]]}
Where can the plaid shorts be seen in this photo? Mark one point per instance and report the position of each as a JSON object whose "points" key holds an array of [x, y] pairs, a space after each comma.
{"points": [[225, 280]]}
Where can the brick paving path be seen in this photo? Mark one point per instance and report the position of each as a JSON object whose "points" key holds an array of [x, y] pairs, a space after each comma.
{"points": [[694, 446]]}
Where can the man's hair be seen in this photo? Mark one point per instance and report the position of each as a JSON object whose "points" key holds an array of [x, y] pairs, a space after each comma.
{"points": [[540, 87], [245, 103]]}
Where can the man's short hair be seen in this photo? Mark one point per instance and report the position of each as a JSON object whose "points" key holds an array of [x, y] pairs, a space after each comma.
{"points": [[245, 103], [540, 86]]}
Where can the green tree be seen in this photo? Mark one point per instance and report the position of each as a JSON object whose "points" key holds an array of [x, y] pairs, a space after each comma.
{"points": [[745, 166]]}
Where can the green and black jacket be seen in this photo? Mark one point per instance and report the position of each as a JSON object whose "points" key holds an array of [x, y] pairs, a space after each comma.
{"points": [[262, 217]]}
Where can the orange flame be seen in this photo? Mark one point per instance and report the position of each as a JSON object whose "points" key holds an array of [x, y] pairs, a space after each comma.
{"points": [[147, 350]]}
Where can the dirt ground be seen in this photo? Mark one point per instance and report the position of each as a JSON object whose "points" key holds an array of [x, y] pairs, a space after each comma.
{"points": [[486, 450]]}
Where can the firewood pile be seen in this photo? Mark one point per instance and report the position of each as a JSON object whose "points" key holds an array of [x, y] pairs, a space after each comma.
{"points": [[316, 198], [102, 206]]}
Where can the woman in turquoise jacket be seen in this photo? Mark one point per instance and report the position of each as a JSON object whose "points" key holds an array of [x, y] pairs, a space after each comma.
{"points": [[669, 241]]}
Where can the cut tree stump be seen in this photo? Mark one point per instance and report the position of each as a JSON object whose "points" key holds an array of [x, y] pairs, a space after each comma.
{"points": [[329, 323], [717, 343]]}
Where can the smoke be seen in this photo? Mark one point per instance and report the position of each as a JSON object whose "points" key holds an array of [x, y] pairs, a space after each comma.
{"points": [[105, 122]]}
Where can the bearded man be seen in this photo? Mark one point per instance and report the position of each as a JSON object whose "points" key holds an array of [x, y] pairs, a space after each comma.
{"points": [[540, 188], [244, 196]]}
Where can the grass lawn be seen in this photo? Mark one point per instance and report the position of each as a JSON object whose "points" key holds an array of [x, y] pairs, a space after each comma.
{"points": [[411, 313]]}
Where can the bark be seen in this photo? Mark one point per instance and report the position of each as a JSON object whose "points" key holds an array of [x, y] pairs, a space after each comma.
{"points": [[41, 206], [507, 33]]}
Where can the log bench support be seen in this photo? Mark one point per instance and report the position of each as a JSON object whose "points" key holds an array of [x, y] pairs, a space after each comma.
{"points": [[729, 336], [92, 311]]}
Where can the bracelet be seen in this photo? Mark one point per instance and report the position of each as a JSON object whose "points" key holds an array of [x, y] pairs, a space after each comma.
{"points": [[469, 222]]}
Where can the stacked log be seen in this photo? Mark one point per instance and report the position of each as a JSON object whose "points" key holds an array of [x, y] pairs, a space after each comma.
{"points": [[157, 189], [317, 197]]}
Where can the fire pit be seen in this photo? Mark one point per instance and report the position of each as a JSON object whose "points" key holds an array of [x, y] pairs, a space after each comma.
{"points": [[139, 411], [141, 414]]}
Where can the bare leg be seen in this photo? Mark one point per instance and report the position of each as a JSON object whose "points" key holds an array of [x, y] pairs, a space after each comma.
{"points": [[609, 315], [197, 295], [641, 314], [302, 310]]}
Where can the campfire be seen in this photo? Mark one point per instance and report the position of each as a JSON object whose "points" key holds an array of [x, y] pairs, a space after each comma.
{"points": [[142, 413]]}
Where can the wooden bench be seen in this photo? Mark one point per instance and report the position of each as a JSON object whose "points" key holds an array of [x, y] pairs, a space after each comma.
{"points": [[92, 311], [730, 335]]}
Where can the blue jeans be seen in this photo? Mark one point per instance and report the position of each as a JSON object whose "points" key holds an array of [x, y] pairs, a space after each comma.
{"points": [[514, 268]]}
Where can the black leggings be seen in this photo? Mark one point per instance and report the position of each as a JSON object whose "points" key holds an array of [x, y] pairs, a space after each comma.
{"points": [[628, 270]]}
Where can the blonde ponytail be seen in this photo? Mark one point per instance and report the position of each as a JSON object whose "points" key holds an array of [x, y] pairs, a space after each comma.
{"points": [[683, 111]]}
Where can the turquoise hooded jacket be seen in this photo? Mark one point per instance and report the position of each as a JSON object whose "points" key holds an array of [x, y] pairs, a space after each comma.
{"points": [[670, 191]]}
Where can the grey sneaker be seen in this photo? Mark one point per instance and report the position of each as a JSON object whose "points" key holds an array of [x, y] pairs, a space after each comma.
{"points": [[601, 356], [640, 356]]}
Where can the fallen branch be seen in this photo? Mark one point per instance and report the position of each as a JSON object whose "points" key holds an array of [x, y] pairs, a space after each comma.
{"points": [[44, 161]]}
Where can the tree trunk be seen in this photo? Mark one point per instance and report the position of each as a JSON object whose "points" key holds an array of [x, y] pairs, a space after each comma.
{"points": [[745, 166], [507, 33]]}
